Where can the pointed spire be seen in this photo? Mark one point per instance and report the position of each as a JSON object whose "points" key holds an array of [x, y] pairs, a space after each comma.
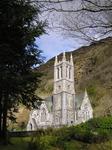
{"points": [[86, 97], [86, 94], [56, 60], [64, 57], [71, 59]]}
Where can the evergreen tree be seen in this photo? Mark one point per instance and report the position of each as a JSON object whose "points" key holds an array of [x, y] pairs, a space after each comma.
{"points": [[19, 25]]}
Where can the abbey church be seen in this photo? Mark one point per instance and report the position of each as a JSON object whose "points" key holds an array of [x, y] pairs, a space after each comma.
{"points": [[65, 106]]}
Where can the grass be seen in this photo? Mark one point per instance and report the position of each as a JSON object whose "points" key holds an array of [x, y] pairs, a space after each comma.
{"points": [[16, 144], [23, 144], [76, 145]]}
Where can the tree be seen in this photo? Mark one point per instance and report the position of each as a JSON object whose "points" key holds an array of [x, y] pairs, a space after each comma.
{"points": [[87, 19], [90, 20], [19, 25]]}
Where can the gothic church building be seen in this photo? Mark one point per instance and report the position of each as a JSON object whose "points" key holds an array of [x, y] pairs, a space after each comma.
{"points": [[64, 107]]}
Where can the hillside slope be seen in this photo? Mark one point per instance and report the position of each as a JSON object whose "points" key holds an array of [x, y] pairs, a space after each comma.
{"points": [[92, 70]]}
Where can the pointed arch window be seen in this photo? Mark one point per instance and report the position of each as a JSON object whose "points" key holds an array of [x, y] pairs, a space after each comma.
{"points": [[76, 115], [66, 71], [43, 115], [34, 126], [58, 73], [61, 71], [69, 72]]}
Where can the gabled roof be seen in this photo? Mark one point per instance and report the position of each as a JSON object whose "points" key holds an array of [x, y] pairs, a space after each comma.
{"points": [[49, 103], [78, 99]]}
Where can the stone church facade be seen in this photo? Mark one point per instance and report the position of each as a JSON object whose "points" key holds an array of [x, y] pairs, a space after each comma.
{"points": [[64, 107]]}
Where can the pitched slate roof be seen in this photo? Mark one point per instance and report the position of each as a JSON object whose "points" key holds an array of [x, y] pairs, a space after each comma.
{"points": [[78, 99], [49, 103]]}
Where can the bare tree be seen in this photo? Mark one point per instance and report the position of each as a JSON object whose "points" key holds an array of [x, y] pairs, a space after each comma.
{"points": [[87, 19], [91, 19]]}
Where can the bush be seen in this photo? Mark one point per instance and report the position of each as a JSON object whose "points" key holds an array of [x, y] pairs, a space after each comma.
{"points": [[95, 130], [42, 142]]}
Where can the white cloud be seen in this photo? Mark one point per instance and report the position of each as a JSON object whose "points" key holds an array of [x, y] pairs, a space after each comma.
{"points": [[52, 44]]}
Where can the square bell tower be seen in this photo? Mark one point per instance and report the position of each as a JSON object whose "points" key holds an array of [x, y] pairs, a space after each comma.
{"points": [[64, 92]]}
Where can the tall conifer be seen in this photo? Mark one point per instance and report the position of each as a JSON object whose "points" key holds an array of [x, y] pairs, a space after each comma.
{"points": [[19, 26]]}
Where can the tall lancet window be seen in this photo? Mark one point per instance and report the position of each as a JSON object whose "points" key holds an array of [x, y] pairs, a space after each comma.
{"points": [[61, 71], [43, 115], [66, 71], [69, 72], [58, 73]]}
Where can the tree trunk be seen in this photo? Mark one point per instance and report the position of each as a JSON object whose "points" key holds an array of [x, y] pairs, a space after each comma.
{"points": [[4, 125], [0, 119], [0, 114]]}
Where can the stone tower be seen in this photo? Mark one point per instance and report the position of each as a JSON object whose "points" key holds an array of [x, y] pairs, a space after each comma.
{"points": [[64, 92]]}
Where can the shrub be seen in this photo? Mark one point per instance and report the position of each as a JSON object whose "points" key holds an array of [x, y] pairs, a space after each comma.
{"points": [[42, 142]]}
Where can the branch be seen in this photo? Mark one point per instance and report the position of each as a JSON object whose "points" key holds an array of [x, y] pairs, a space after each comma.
{"points": [[95, 4], [96, 26], [78, 10], [51, 1]]}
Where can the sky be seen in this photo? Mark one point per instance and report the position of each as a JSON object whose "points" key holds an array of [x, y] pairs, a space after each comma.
{"points": [[53, 44]]}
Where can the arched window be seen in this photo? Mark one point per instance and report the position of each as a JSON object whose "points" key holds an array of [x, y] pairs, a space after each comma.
{"points": [[34, 124], [43, 115], [68, 87], [87, 114], [59, 87], [66, 71], [58, 73], [31, 126], [61, 71], [57, 120], [76, 115], [69, 72]]}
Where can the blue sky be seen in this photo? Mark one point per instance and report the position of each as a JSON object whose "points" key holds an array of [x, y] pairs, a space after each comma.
{"points": [[53, 44]]}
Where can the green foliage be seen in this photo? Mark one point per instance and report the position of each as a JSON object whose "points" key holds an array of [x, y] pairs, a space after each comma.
{"points": [[42, 142], [97, 130], [95, 93], [102, 122], [23, 144], [92, 90]]}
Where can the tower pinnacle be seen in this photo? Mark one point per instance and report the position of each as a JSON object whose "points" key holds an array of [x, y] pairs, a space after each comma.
{"points": [[64, 57], [56, 60], [86, 92], [71, 59]]}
